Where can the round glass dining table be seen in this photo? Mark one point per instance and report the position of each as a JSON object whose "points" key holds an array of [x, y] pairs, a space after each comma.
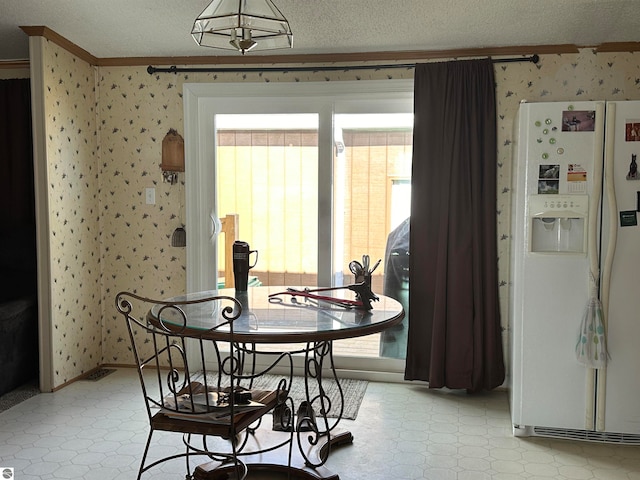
{"points": [[270, 314]]}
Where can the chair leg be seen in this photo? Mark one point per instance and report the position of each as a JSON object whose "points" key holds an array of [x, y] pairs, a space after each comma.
{"points": [[188, 442], [144, 455], [240, 467], [241, 470]]}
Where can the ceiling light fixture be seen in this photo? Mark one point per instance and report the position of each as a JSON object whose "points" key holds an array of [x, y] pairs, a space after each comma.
{"points": [[242, 25]]}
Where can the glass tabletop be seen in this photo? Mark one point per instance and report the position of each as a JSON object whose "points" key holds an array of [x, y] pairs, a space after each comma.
{"points": [[283, 318]]}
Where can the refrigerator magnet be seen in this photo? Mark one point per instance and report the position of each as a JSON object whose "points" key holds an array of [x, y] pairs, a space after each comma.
{"points": [[578, 121], [632, 131], [548, 179], [628, 218], [576, 178], [633, 169]]}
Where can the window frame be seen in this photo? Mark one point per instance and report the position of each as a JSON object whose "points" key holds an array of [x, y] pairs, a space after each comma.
{"points": [[202, 101]]}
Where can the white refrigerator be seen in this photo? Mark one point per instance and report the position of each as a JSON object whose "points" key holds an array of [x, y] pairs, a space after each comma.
{"points": [[576, 192]]}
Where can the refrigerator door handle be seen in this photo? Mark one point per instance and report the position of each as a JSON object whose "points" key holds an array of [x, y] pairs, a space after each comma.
{"points": [[590, 404], [596, 191], [609, 188]]}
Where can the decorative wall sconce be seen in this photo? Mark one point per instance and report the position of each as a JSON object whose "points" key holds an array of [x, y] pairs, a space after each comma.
{"points": [[172, 156]]}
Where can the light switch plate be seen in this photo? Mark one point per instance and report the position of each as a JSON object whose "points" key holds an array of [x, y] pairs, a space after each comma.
{"points": [[150, 194]]}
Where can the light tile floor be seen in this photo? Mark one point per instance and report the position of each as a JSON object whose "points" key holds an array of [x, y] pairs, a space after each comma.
{"points": [[97, 430]]}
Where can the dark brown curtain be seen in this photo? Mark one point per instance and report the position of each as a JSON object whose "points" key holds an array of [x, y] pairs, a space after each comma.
{"points": [[17, 203], [454, 332]]}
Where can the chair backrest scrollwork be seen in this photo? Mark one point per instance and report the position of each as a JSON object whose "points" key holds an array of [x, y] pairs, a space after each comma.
{"points": [[173, 360]]}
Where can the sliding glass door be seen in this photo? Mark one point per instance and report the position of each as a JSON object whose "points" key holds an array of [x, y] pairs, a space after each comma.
{"points": [[317, 175], [267, 175], [371, 196]]}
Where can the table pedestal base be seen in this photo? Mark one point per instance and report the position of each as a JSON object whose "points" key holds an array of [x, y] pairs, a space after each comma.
{"points": [[277, 460]]}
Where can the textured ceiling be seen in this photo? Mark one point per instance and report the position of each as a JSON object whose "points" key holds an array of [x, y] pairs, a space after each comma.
{"points": [[160, 28]]}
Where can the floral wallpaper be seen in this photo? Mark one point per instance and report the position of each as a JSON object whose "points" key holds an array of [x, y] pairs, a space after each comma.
{"points": [[73, 202], [130, 240], [136, 112]]}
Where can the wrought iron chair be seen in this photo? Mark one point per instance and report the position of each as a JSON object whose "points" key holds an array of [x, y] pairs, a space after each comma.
{"points": [[195, 386]]}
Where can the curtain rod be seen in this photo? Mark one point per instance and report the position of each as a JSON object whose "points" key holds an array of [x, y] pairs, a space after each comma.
{"points": [[173, 69]]}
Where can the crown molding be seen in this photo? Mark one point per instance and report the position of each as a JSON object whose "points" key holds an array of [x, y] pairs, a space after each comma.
{"points": [[387, 56], [618, 47], [40, 31]]}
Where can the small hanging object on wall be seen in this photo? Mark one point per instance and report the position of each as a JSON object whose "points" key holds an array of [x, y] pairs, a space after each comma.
{"points": [[179, 237], [172, 156]]}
